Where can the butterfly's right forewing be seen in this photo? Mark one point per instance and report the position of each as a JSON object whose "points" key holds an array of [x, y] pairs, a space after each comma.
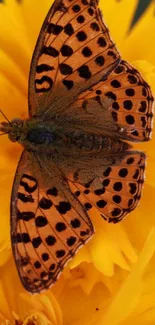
{"points": [[48, 225]]}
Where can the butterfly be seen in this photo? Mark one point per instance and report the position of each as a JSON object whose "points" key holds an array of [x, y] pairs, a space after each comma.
{"points": [[84, 103]]}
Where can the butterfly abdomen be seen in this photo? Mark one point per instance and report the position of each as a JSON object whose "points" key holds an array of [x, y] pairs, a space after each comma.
{"points": [[96, 143]]}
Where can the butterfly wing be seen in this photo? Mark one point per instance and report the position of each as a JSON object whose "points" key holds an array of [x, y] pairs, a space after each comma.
{"points": [[75, 69], [119, 105], [73, 52], [48, 225], [112, 184], [75, 57]]}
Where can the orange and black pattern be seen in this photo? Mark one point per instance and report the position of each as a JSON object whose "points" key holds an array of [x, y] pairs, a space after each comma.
{"points": [[130, 102], [116, 189], [74, 51], [48, 230], [80, 84]]}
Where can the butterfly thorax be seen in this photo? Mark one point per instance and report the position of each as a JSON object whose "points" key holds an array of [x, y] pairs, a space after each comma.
{"points": [[33, 134]]}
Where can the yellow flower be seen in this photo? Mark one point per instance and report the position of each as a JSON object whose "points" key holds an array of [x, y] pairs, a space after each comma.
{"points": [[106, 282], [123, 299], [19, 307], [120, 300]]}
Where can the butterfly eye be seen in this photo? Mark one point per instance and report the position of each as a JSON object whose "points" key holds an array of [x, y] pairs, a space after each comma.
{"points": [[13, 136]]}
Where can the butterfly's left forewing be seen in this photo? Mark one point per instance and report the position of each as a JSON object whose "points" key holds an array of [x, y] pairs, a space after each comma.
{"points": [[47, 228], [74, 51]]}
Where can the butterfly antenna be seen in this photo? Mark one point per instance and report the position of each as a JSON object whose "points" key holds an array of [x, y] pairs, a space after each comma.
{"points": [[5, 117]]}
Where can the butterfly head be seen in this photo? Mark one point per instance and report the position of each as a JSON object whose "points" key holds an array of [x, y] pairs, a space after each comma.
{"points": [[13, 129]]}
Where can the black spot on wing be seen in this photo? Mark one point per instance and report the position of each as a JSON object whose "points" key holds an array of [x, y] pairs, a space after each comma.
{"points": [[52, 191], [130, 92], [76, 8], [133, 188], [60, 253], [80, 19], [107, 172], [123, 172], [88, 206], [127, 104], [66, 50], [36, 242], [37, 265], [63, 207], [130, 119], [52, 267], [75, 223], [54, 29], [116, 212], [45, 257], [25, 198], [81, 36], [84, 72], [117, 198], [68, 84], [41, 221], [21, 238], [84, 233], [86, 51], [68, 29], [49, 50], [45, 204], [117, 186], [100, 60], [101, 204], [30, 188], [99, 191], [50, 240], [25, 216], [102, 42], [43, 68], [60, 226], [29, 177], [94, 26], [46, 79], [65, 69], [91, 11], [71, 241]]}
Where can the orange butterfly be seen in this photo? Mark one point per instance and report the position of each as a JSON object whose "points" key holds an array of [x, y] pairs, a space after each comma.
{"points": [[83, 102]]}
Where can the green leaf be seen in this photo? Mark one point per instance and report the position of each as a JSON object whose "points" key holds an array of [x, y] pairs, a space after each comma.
{"points": [[140, 10]]}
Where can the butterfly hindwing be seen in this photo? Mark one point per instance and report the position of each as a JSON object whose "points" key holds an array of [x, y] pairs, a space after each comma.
{"points": [[74, 51], [47, 228], [115, 188]]}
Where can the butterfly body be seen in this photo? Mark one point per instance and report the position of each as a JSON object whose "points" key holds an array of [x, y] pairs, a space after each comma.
{"points": [[84, 102], [45, 138]]}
